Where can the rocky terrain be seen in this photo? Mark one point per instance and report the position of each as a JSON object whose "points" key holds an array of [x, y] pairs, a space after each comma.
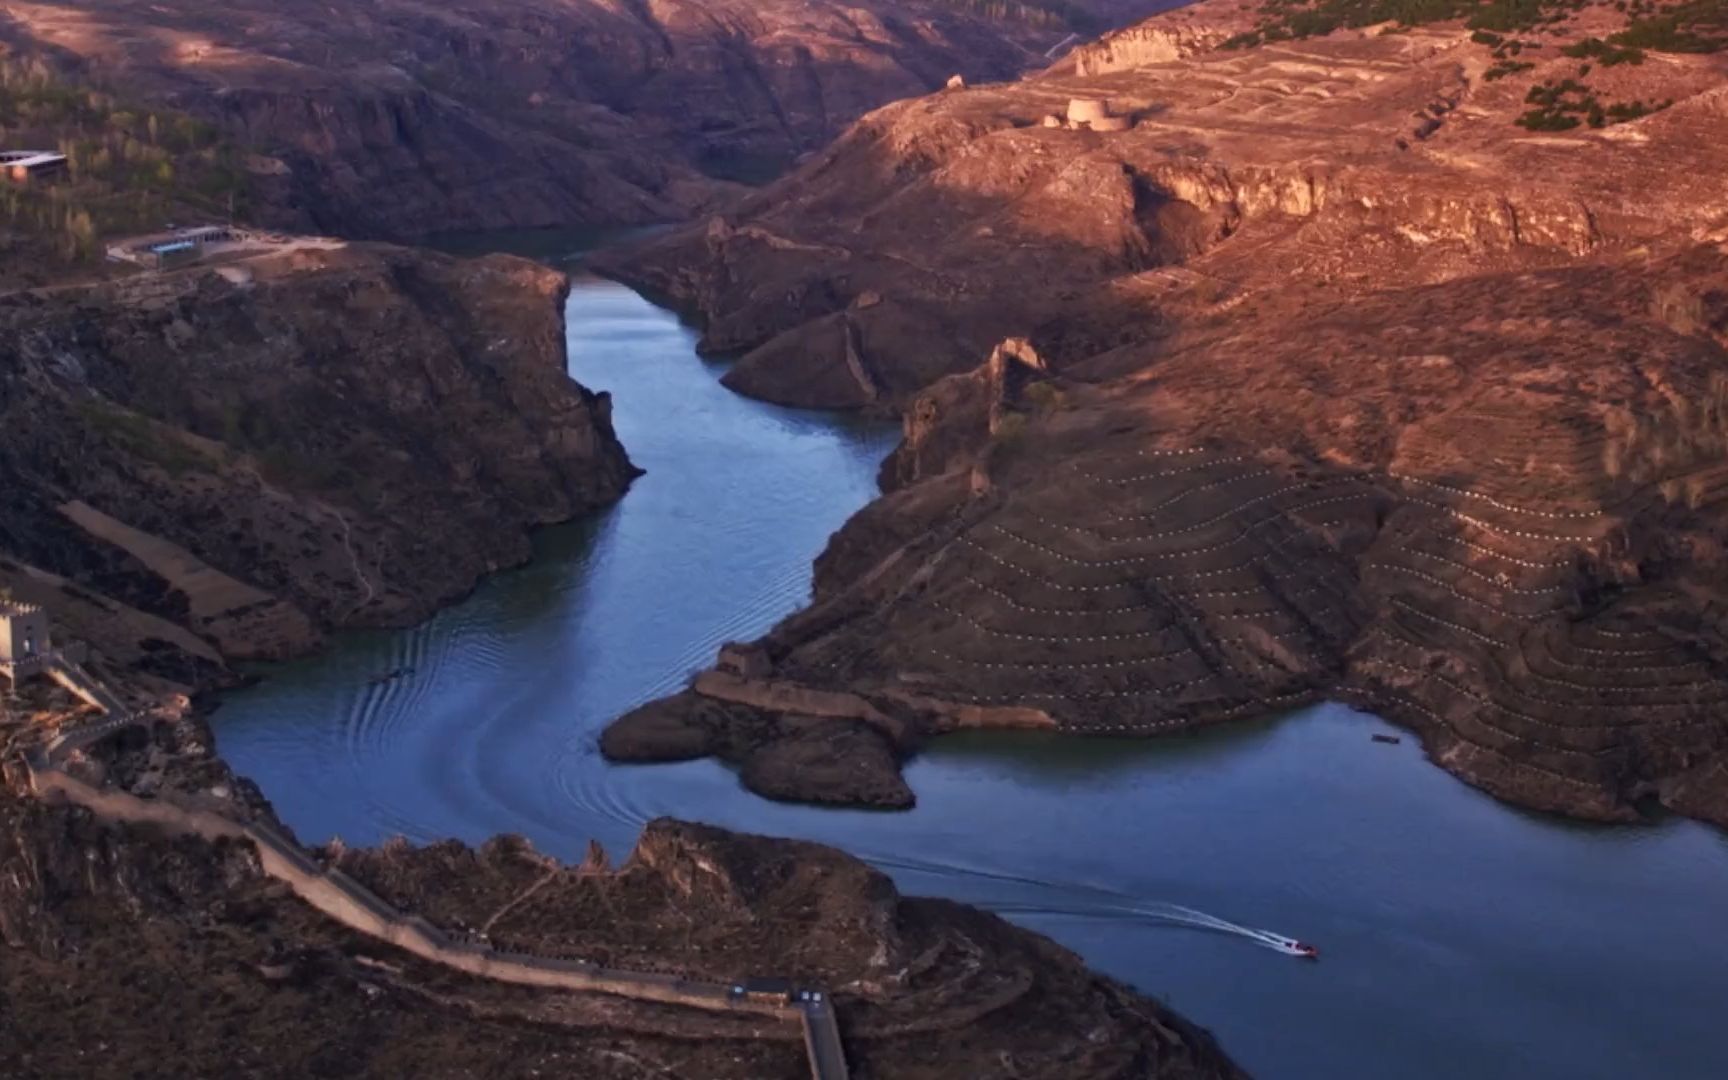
{"points": [[1379, 362], [330, 436], [400, 119], [133, 953], [222, 463]]}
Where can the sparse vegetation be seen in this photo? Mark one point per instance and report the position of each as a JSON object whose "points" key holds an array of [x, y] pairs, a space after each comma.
{"points": [[1505, 68], [1692, 26], [1010, 427], [1286, 19], [141, 437], [129, 169], [1567, 104], [1604, 53], [1045, 397], [280, 456]]}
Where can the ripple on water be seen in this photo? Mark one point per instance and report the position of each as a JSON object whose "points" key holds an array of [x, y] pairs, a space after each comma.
{"points": [[1461, 939]]}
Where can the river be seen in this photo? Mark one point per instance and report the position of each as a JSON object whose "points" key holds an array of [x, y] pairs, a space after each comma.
{"points": [[1461, 938]]}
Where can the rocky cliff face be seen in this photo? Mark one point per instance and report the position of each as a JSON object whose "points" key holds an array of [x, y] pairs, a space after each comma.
{"points": [[209, 465], [1354, 379], [336, 436], [398, 119], [190, 961], [1356, 161]]}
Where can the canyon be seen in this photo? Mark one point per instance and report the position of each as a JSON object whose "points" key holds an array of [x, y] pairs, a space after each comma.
{"points": [[1335, 375], [190, 959], [397, 120], [225, 464], [1372, 363]]}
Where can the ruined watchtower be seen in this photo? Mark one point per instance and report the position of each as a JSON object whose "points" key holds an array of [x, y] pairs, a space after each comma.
{"points": [[24, 644]]}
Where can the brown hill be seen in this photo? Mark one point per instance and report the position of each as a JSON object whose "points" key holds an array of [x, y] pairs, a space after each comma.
{"points": [[399, 119], [1355, 369], [332, 435]]}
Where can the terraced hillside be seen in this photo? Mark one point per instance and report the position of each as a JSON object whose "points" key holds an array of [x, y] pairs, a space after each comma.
{"points": [[1339, 382]]}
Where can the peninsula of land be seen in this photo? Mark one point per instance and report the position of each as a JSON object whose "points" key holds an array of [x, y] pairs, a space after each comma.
{"points": [[1327, 357]]}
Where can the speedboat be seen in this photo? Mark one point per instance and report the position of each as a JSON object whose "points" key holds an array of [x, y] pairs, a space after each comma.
{"points": [[1291, 946]]}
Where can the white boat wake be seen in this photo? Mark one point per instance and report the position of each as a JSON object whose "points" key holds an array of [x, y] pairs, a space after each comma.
{"points": [[1177, 915]]}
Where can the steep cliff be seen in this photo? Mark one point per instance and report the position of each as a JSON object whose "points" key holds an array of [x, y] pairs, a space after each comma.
{"points": [[334, 436], [1360, 372], [1356, 161]]}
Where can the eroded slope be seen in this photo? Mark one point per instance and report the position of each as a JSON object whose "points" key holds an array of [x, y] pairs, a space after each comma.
{"points": [[333, 436], [1340, 382]]}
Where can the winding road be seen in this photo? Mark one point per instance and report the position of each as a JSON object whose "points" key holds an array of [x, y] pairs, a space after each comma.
{"points": [[342, 898]]}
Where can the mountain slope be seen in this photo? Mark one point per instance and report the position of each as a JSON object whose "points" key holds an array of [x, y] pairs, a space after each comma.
{"points": [[398, 119], [1365, 364]]}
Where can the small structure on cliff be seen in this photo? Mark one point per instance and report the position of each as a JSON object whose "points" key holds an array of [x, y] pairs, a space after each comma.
{"points": [[207, 243], [25, 649], [161, 251], [25, 166], [1093, 114], [1086, 110]]}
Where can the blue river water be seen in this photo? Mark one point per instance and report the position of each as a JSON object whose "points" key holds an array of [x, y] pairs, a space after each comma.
{"points": [[1460, 938]]}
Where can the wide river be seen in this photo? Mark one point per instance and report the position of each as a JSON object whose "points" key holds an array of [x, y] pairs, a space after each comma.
{"points": [[1461, 938]]}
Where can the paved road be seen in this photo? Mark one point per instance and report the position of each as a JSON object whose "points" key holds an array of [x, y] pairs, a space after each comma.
{"points": [[821, 1031], [822, 1040]]}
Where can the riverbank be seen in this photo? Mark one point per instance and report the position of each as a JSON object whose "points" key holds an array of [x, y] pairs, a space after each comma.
{"points": [[193, 909], [1416, 887]]}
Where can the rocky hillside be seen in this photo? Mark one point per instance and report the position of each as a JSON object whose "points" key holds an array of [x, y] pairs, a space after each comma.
{"points": [[332, 436], [1385, 363], [400, 118], [189, 960]]}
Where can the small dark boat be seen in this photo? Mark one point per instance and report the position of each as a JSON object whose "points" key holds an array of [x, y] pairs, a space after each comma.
{"points": [[1289, 945], [1393, 739]]}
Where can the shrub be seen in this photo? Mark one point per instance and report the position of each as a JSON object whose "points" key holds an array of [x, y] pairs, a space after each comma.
{"points": [[1045, 397], [1505, 68], [1010, 427], [141, 437], [1608, 55], [1547, 120]]}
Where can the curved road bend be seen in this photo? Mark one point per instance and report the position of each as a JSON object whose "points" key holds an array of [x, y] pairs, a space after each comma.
{"points": [[821, 1031]]}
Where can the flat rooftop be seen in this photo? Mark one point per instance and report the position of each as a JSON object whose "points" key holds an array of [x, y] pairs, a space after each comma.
{"points": [[30, 159]]}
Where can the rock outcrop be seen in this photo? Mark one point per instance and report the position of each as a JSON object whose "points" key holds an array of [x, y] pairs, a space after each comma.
{"points": [[1351, 381], [348, 436]]}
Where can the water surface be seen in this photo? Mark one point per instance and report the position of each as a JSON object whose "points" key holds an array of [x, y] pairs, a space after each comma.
{"points": [[1460, 938]]}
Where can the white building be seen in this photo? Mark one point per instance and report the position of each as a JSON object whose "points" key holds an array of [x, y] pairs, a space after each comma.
{"points": [[22, 166], [24, 644]]}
